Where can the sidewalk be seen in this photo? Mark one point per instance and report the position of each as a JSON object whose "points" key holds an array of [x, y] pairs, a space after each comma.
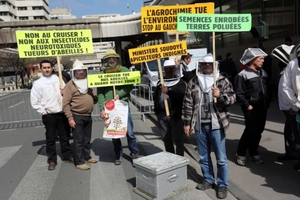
{"points": [[149, 142], [271, 180]]}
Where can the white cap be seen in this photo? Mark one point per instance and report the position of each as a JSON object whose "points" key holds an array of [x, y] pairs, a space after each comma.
{"points": [[250, 54], [78, 65], [169, 63], [208, 58]]}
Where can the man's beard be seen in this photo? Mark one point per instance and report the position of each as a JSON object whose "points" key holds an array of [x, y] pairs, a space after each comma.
{"points": [[82, 85], [111, 64]]}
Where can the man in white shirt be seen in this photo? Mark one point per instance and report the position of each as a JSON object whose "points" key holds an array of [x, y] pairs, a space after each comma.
{"points": [[291, 91], [46, 99]]}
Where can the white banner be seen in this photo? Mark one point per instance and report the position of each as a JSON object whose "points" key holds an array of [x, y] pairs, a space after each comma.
{"points": [[115, 124]]}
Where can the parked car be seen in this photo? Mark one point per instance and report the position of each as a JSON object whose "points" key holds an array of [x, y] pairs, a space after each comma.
{"points": [[150, 72]]}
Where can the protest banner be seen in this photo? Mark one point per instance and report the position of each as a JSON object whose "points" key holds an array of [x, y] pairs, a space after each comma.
{"points": [[32, 44], [144, 54], [163, 18], [214, 22], [113, 79], [116, 117]]}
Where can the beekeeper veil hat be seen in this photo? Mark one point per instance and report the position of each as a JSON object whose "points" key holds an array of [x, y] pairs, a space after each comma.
{"points": [[250, 54]]}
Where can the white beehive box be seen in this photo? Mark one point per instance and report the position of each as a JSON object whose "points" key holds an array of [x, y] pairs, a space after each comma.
{"points": [[160, 175]]}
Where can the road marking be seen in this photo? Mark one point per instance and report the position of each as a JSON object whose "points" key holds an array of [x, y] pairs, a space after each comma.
{"points": [[16, 104], [6, 153], [8, 130], [38, 181], [101, 174]]}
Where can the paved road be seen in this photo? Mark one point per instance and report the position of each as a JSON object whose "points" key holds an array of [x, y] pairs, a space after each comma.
{"points": [[24, 174]]}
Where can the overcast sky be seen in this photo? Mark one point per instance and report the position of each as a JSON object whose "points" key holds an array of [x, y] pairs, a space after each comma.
{"points": [[89, 7]]}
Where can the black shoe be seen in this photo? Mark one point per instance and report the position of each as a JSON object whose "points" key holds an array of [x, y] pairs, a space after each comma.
{"points": [[222, 192], [70, 160], [204, 185], [297, 166], [285, 157]]}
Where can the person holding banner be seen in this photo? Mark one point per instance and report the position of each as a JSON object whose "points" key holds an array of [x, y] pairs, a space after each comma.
{"points": [[46, 98], [170, 126], [254, 97], [184, 62], [78, 103], [112, 62], [291, 91], [209, 121]]}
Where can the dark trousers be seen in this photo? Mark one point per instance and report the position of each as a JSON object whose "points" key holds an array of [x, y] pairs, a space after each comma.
{"points": [[292, 136], [255, 121], [82, 134], [131, 140], [172, 132], [56, 122]]}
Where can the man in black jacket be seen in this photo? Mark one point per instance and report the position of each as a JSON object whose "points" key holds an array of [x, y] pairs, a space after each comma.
{"points": [[171, 127], [253, 95]]}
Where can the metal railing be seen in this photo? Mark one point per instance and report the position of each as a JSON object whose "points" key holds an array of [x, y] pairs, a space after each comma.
{"points": [[142, 98], [15, 105]]}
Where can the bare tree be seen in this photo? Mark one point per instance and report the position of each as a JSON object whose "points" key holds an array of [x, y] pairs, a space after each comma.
{"points": [[2, 67], [16, 63], [4, 49]]}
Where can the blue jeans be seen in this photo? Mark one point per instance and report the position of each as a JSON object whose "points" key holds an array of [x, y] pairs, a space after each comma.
{"points": [[132, 145], [207, 139]]}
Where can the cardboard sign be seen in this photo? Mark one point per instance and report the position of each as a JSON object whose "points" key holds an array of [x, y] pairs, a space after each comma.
{"points": [[214, 22], [111, 79], [144, 54], [163, 18], [116, 117], [32, 44]]}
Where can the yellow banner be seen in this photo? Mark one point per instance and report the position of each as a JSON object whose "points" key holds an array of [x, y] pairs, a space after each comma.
{"points": [[32, 44], [163, 18], [144, 54], [111, 79]]}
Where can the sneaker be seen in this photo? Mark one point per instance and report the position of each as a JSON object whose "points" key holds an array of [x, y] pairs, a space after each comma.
{"points": [[91, 160], [222, 193], [118, 160], [134, 155], [297, 166], [83, 167], [257, 159], [241, 160], [204, 185]]}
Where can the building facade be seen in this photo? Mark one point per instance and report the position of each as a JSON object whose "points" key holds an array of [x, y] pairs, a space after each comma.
{"points": [[61, 13], [15, 10]]}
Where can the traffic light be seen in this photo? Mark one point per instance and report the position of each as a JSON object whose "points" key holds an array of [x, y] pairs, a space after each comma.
{"points": [[263, 30]]}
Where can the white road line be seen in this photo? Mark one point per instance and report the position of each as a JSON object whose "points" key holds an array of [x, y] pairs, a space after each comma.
{"points": [[38, 182], [16, 104], [107, 176], [6, 153]]}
